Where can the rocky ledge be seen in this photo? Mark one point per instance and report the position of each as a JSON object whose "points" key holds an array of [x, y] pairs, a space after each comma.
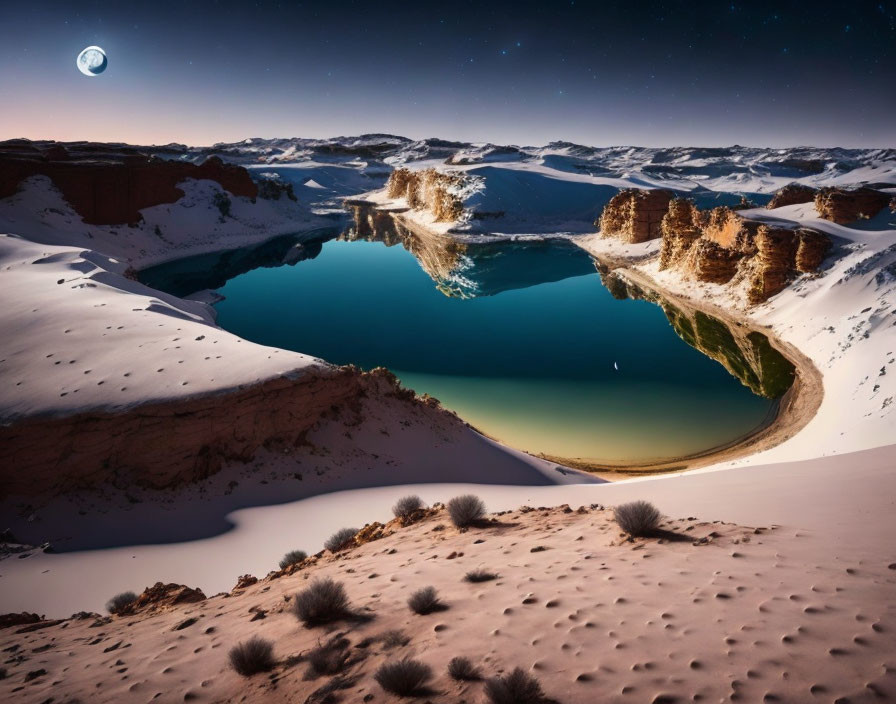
{"points": [[842, 205], [109, 184], [164, 445], [717, 246]]}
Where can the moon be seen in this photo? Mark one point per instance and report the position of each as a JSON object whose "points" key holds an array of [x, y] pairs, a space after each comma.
{"points": [[92, 61]]}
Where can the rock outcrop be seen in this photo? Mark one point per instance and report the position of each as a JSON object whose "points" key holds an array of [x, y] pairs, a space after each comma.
{"points": [[710, 261], [774, 262], [429, 190], [811, 250], [842, 206], [110, 184], [720, 245], [680, 228], [635, 215], [161, 445], [792, 194], [162, 597]]}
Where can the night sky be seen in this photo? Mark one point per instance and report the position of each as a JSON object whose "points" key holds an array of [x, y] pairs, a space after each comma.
{"points": [[663, 73]]}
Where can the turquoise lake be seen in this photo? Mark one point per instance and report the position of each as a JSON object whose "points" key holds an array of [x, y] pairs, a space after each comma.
{"points": [[522, 340]]}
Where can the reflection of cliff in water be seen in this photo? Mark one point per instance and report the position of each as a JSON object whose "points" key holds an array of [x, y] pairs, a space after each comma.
{"points": [[439, 255], [747, 354], [471, 270], [211, 271]]}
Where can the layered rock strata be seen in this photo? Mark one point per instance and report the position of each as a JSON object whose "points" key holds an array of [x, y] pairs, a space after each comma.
{"points": [[842, 205], [173, 443], [109, 186], [792, 194], [720, 245], [428, 190], [635, 215]]}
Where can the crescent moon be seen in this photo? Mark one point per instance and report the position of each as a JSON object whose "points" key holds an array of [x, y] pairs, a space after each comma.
{"points": [[92, 61]]}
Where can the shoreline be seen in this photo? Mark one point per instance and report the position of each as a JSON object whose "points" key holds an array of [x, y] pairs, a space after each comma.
{"points": [[794, 410]]}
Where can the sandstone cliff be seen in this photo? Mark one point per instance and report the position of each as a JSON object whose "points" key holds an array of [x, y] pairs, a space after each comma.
{"points": [[792, 194], [634, 215], [843, 205], [109, 186], [428, 190], [720, 245], [164, 445]]}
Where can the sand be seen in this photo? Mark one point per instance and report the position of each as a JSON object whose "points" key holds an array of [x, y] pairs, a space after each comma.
{"points": [[711, 612]]}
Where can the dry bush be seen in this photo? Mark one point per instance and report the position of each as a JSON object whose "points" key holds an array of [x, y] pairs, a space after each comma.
{"points": [[425, 601], [519, 687], [638, 518], [479, 575], [252, 656], [293, 557], [404, 677], [394, 639], [406, 506], [461, 668], [323, 601], [119, 603], [329, 658], [340, 539], [466, 510]]}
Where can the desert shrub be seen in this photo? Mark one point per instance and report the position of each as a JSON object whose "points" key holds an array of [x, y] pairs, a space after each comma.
{"points": [[479, 575], [118, 603], [518, 687], [461, 668], [222, 203], [466, 510], [340, 539], [323, 601], [252, 656], [329, 658], [425, 601], [406, 505], [293, 557], [394, 639], [403, 677], [637, 518]]}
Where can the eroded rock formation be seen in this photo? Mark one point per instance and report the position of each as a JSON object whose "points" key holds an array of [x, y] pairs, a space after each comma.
{"points": [[710, 261], [428, 190], [680, 228], [843, 205], [169, 444], [635, 215], [720, 245], [792, 194], [110, 184], [161, 597]]}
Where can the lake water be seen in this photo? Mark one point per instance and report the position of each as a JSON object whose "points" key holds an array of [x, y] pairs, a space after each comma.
{"points": [[522, 340]]}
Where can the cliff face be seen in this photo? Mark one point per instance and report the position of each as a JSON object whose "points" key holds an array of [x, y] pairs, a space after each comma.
{"points": [[171, 444], [110, 187], [843, 206], [720, 245], [635, 215], [792, 194], [428, 190]]}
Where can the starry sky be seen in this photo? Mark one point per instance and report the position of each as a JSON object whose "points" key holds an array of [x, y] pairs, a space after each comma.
{"points": [[601, 73]]}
